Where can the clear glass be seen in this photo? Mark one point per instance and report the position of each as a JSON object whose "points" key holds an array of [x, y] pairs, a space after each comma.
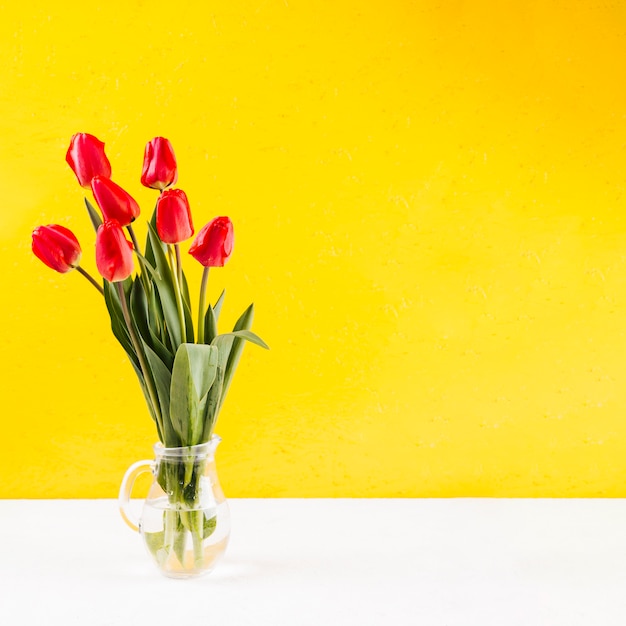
{"points": [[185, 521]]}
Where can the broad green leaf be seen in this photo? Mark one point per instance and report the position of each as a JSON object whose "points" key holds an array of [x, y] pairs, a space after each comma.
{"points": [[94, 216], [195, 368], [203, 364]]}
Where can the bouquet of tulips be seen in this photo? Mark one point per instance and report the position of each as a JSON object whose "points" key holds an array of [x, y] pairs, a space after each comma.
{"points": [[184, 372]]}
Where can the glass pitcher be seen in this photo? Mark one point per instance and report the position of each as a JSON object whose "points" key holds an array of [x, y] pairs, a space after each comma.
{"points": [[185, 521]]}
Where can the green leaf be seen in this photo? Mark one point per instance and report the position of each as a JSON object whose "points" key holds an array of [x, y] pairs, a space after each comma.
{"points": [[217, 309], [179, 544], [161, 349], [243, 323], [194, 371], [185, 292], [139, 308], [120, 330], [161, 340], [162, 381], [210, 325], [94, 216], [223, 343], [188, 321], [148, 400], [161, 275], [249, 336], [150, 256], [180, 538], [140, 313], [118, 324], [245, 320], [164, 280], [155, 542], [210, 523], [160, 262], [203, 365]]}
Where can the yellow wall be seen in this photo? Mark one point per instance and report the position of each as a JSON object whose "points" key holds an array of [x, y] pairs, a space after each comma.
{"points": [[430, 216]]}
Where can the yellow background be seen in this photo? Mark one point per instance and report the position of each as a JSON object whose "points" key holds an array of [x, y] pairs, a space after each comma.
{"points": [[429, 207]]}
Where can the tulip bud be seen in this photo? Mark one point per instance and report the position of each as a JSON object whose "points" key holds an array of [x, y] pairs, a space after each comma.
{"points": [[114, 253], [114, 202], [57, 247], [87, 159], [214, 243], [173, 216], [159, 164]]}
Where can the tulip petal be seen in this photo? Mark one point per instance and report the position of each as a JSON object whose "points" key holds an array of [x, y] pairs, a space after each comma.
{"points": [[213, 245], [87, 158], [114, 201], [173, 217], [159, 164], [57, 247], [114, 256]]}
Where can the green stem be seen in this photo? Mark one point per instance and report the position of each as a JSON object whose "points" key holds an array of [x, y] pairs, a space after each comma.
{"points": [[90, 278], [179, 297], [179, 265], [147, 285], [197, 531], [142, 361], [133, 237], [202, 306]]}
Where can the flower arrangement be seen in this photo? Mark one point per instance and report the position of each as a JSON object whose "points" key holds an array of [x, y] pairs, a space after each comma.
{"points": [[183, 371]]}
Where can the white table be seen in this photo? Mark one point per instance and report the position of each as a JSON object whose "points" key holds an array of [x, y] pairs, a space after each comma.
{"points": [[298, 562]]}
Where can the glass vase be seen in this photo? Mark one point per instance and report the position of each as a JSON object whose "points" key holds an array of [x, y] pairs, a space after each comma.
{"points": [[185, 521]]}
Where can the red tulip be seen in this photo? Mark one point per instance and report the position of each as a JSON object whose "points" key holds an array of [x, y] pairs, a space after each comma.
{"points": [[159, 164], [173, 216], [214, 243], [114, 202], [87, 159], [114, 253], [57, 247]]}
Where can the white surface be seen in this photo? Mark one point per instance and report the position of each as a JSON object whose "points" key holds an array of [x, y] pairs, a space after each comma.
{"points": [[298, 562]]}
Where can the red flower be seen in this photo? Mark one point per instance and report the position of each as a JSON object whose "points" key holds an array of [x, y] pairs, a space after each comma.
{"points": [[114, 253], [159, 164], [87, 159], [214, 243], [173, 216], [114, 202], [57, 247]]}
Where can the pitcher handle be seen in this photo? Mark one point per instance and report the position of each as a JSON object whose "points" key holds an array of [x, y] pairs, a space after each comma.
{"points": [[126, 488]]}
